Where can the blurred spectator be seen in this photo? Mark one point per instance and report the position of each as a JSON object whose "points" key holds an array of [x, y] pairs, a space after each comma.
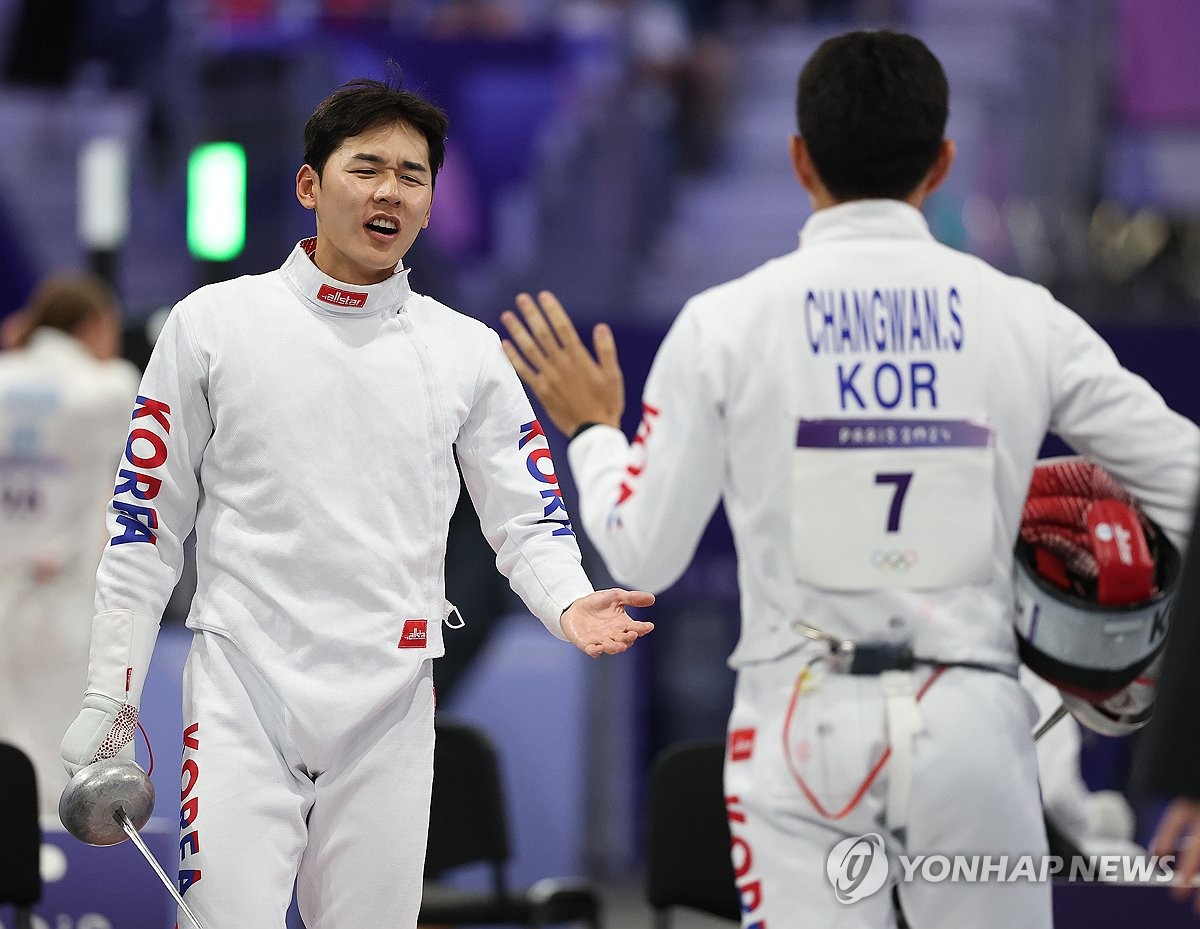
{"points": [[704, 100], [836, 12], [50, 42], [1167, 758], [681, 68], [480, 18], [13, 329], [65, 400]]}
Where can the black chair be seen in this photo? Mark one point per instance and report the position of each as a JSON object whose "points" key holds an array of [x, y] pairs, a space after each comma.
{"points": [[468, 824], [688, 844], [21, 842]]}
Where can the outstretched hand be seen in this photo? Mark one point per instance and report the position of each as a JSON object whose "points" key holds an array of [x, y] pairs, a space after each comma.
{"points": [[598, 624], [572, 387]]}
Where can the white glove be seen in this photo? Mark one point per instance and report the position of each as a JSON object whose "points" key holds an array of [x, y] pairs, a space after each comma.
{"points": [[1125, 711], [122, 642]]}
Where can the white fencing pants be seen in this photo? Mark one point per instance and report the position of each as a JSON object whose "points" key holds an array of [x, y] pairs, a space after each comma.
{"points": [[348, 830], [792, 796]]}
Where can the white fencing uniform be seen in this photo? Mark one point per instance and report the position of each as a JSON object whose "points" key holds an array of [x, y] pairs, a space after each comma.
{"points": [[307, 427], [63, 415], [1097, 821], [869, 408]]}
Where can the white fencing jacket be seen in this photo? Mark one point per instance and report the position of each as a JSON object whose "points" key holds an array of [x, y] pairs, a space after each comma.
{"points": [[61, 410], [63, 416], [870, 408], [307, 428]]}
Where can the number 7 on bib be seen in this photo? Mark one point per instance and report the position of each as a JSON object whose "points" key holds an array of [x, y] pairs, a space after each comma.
{"points": [[893, 503]]}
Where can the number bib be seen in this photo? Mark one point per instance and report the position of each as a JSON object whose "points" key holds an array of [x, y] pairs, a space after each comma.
{"points": [[892, 503]]}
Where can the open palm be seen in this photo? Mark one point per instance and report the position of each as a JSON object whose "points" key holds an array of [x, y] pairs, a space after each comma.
{"points": [[598, 624]]}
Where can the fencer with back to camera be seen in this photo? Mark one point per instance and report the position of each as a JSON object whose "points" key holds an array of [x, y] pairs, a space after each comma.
{"points": [[869, 409]]}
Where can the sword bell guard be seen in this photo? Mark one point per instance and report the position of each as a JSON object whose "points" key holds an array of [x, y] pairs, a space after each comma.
{"points": [[92, 799]]}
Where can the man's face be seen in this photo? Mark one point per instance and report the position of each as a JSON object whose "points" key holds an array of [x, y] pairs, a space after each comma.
{"points": [[371, 201]]}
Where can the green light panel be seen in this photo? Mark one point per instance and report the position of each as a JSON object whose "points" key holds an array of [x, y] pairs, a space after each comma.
{"points": [[216, 208]]}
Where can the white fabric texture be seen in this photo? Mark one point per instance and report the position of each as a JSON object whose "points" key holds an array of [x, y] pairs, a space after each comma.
{"points": [[311, 445], [737, 371], [307, 429], [977, 802], [872, 386], [119, 657], [266, 801], [1097, 821], [122, 643]]}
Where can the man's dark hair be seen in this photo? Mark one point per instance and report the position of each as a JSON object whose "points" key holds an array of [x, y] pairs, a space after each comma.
{"points": [[361, 105], [872, 107]]}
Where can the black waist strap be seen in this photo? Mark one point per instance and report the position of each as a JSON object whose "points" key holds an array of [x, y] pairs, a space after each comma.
{"points": [[877, 657]]}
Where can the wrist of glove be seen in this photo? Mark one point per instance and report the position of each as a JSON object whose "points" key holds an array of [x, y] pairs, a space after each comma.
{"points": [[121, 646]]}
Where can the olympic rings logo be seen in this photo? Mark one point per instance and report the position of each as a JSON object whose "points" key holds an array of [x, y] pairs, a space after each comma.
{"points": [[893, 559]]}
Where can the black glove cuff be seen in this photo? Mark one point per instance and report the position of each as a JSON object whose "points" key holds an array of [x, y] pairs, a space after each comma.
{"points": [[582, 428]]}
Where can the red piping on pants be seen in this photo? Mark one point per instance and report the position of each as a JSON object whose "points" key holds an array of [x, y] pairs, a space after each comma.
{"points": [[871, 775]]}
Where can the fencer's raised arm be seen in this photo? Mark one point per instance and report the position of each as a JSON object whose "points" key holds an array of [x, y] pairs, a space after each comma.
{"points": [[1115, 418], [506, 464], [645, 503]]}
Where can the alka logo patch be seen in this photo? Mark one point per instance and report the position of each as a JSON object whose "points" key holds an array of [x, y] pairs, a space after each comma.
{"points": [[741, 744], [338, 297], [413, 634]]}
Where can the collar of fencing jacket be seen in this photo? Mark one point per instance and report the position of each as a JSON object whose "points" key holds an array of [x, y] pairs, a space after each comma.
{"points": [[864, 219], [336, 298]]}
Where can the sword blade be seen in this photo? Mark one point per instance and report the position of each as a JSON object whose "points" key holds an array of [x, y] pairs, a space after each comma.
{"points": [[1050, 721], [133, 834]]}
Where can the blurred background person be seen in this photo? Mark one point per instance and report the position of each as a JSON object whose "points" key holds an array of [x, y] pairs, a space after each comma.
{"points": [[1167, 760], [65, 401], [625, 156]]}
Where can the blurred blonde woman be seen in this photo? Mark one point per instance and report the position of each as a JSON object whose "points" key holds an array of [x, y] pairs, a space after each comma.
{"points": [[65, 401]]}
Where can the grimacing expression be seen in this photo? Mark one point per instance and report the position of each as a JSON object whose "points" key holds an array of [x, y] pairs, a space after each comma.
{"points": [[372, 199]]}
